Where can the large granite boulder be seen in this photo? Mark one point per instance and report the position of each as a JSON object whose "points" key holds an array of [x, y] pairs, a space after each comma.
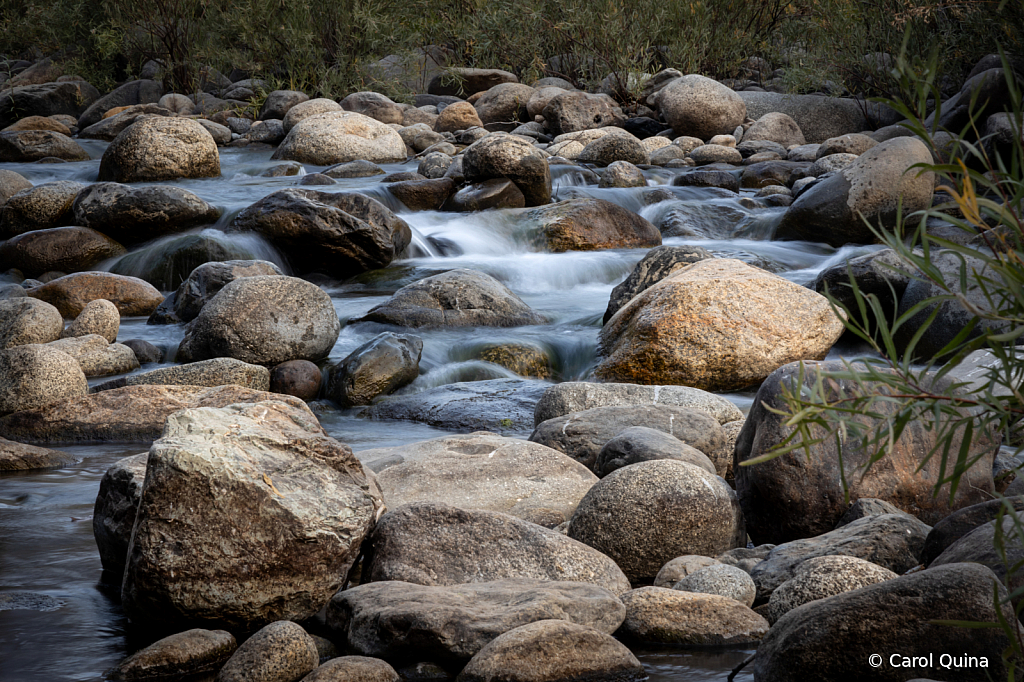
{"points": [[403, 622], [434, 544], [160, 148], [799, 496], [340, 234], [132, 215], [716, 325], [240, 535], [646, 514], [483, 471], [336, 137], [263, 320]]}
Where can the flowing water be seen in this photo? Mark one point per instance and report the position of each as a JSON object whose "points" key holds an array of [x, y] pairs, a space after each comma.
{"points": [[76, 631]]}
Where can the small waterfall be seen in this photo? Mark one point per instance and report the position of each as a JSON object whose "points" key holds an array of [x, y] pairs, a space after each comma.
{"points": [[167, 262]]}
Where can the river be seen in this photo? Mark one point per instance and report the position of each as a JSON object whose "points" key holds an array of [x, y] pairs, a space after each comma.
{"points": [[76, 630]]}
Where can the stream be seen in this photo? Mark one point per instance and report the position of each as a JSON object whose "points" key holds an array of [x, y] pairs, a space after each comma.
{"points": [[75, 629]]}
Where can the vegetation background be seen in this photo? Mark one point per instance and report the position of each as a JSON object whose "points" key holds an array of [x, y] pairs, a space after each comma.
{"points": [[328, 47]]}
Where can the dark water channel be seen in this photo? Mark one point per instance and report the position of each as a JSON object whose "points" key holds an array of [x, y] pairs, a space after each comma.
{"points": [[75, 630]]}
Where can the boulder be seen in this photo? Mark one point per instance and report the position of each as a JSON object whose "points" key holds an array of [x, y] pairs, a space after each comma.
{"points": [[160, 148], [403, 622], [434, 544], [661, 509], [457, 116], [423, 195], [207, 280], [336, 137], [10, 184], [979, 547], [819, 117], [504, 102], [643, 444], [181, 655], [611, 148], [822, 577], [299, 378], [852, 143], [109, 128], [834, 638], [48, 99], [464, 82], [379, 367], [113, 515], [834, 209], [60, 249], [298, 524], [952, 315], [570, 112], [374, 105], [505, 156], [26, 146], [308, 109], [587, 224], [132, 215], [657, 615], [71, 293], [263, 320], [723, 580], [34, 376], [881, 273], [353, 669], [659, 263], [480, 196], [963, 521], [99, 317], [26, 321], [714, 153], [20, 457], [672, 333], [776, 127], [209, 373], [457, 298], [680, 567], [131, 93], [38, 208], [797, 496], [582, 435], [868, 506], [622, 174], [96, 356], [483, 471], [891, 541], [493, 405], [701, 107], [342, 234], [279, 652], [279, 102], [550, 650]]}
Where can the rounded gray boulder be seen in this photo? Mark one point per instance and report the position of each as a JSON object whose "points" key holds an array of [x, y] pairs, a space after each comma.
{"points": [[264, 320]]}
